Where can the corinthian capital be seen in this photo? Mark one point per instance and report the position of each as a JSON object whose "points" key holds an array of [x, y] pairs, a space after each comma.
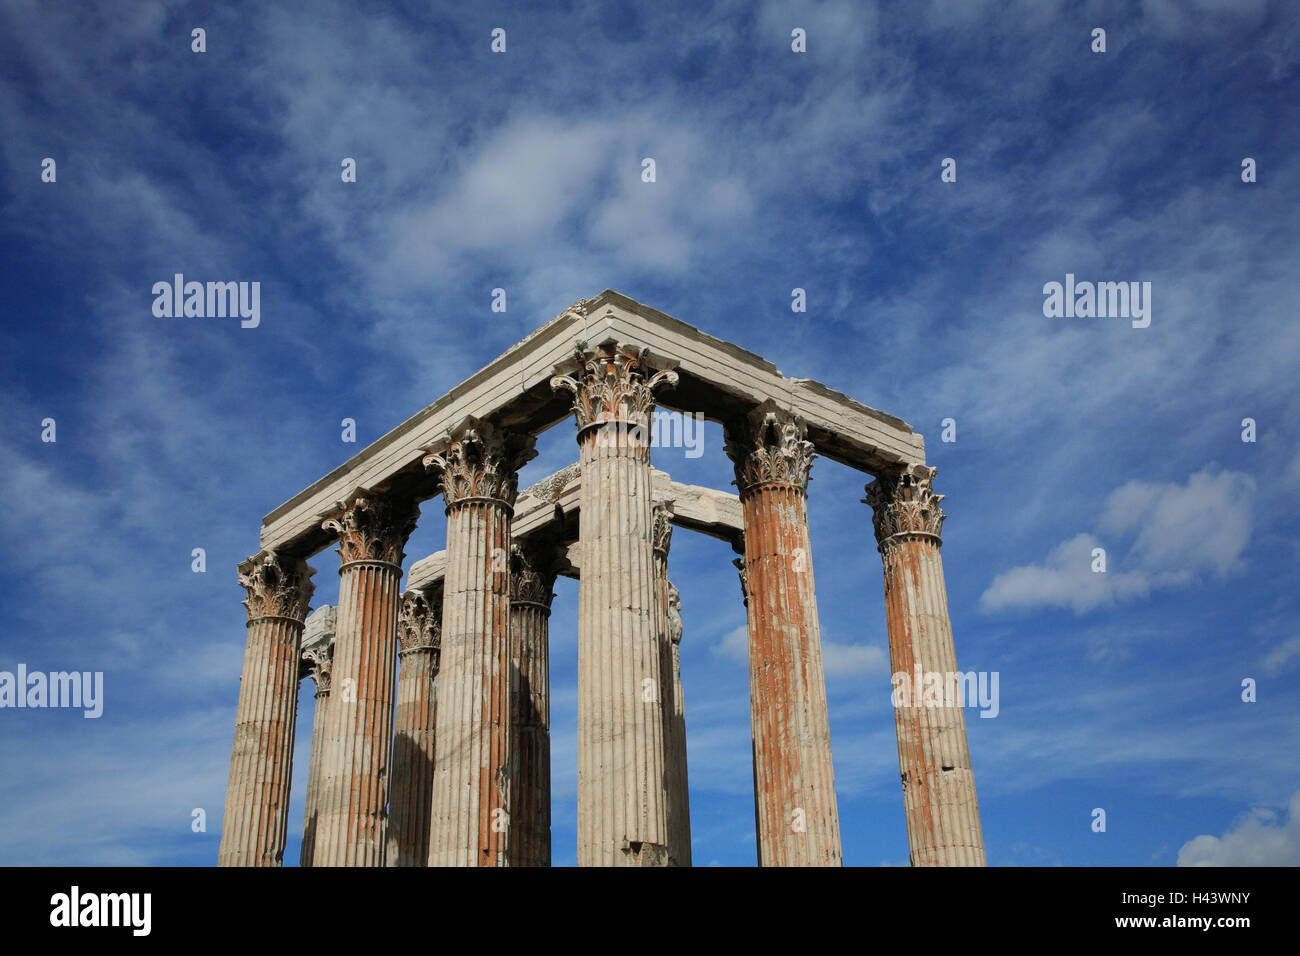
{"points": [[613, 382], [904, 502], [768, 447], [371, 526], [481, 460], [532, 575], [419, 625], [276, 586], [318, 646]]}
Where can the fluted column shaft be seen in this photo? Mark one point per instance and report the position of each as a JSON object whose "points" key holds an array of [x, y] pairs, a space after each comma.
{"points": [[668, 626], [531, 578], [357, 751], [939, 800], [311, 807], [622, 792], [794, 785], [317, 655], [414, 741], [261, 764], [470, 818]]}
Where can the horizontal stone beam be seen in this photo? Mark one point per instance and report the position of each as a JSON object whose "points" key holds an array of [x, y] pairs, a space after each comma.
{"points": [[715, 378], [551, 507]]}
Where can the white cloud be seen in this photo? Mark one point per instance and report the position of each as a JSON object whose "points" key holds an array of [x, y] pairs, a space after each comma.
{"points": [[853, 660], [1259, 838], [734, 645], [1180, 534], [1282, 658]]}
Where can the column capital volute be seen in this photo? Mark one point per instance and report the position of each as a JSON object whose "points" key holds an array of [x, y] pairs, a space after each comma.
{"points": [[277, 586], [769, 446], [479, 460], [904, 505], [613, 382], [533, 569], [372, 526], [419, 623], [318, 646]]}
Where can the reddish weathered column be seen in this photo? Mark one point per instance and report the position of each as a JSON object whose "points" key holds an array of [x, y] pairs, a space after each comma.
{"points": [[470, 823], [318, 656], [372, 529], [532, 575], [668, 623], [794, 783], [261, 762], [419, 636], [622, 794], [943, 824]]}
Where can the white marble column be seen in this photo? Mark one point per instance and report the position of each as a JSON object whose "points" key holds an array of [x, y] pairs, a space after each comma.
{"points": [[622, 796], [318, 656], [943, 823], [419, 637], [261, 763], [532, 575], [478, 472], [794, 782], [372, 529], [668, 623]]}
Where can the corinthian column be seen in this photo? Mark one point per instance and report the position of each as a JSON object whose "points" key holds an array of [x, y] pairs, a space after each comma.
{"points": [[470, 823], [794, 785], [943, 824], [318, 656], [419, 635], [372, 530], [261, 762], [668, 624], [532, 575], [622, 797]]}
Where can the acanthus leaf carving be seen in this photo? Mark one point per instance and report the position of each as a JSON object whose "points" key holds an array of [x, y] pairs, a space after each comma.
{"points": [[532, 575], [904, 502], [276, 586], [613, 382], [481, 460], [769, 446], [371, 526]]}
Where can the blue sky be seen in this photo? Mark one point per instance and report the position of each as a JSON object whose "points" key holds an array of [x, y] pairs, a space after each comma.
{"points": [[775, 170]]}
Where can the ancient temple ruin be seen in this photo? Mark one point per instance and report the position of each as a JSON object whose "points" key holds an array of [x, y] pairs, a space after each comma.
{"points": [[431, 739]]}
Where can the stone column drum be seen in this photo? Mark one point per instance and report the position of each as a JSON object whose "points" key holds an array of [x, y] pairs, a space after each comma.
{"points": [[943, 824], [622, 797], [419, 633], [794, 787], [470, 823], [318, 655], [372, 529], [532, 575], [679, 814], [261, 763]]}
